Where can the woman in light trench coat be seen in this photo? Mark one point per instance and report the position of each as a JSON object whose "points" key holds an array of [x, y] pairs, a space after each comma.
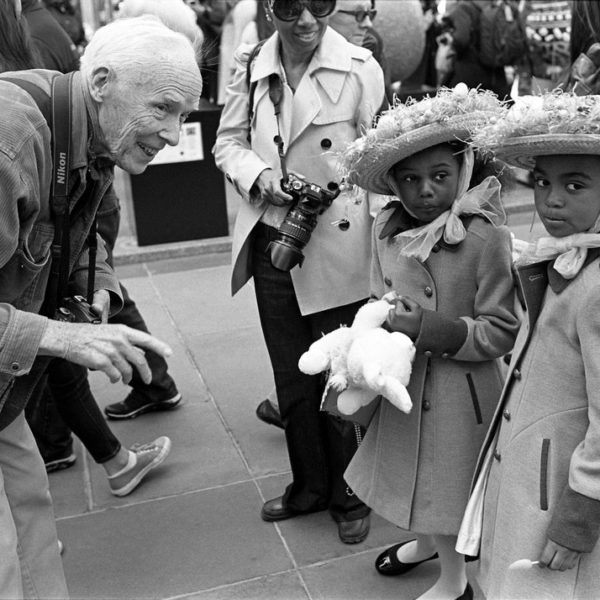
{"points": [[330, 91]]}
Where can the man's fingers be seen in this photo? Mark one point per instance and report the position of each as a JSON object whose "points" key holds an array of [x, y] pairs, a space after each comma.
{"points": [[145, 340], [137, 359]]}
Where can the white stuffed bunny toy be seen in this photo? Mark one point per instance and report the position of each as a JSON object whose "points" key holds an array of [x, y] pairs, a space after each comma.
{"points": [[364, 360]]}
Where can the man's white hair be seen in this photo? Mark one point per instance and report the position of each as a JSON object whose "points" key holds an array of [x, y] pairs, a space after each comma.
{"points": [[175, 14], [139, 44]]}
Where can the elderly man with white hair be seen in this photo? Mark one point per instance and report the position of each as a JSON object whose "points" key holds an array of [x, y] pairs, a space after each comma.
{"points": [[138, 82]]}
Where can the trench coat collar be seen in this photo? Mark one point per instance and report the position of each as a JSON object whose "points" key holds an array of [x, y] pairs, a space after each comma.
{"points": [[329, 64]]}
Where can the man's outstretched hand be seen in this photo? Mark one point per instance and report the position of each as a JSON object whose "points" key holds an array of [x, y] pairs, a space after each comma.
{"points": [[114, 349]]}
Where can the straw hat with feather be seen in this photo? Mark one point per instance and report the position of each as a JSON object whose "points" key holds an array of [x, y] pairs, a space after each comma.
{"points": [[551, 124], [405, 129]]}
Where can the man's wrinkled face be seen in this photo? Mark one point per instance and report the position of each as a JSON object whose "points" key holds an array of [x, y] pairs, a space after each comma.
{"points": [[142, 110]]}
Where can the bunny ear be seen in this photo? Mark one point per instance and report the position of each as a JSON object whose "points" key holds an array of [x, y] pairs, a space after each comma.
{"points": [[400, 398]]}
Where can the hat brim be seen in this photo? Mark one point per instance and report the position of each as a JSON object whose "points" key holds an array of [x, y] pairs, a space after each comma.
{"points": [[521, 151], [370, 172]]}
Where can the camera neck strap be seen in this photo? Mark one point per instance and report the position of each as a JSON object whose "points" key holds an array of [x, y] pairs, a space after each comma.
{"points": [[61, 186], [276, 95]]}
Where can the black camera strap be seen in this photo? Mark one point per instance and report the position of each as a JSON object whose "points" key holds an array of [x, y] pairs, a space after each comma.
{"points": [[61, 155], [276, 95]]}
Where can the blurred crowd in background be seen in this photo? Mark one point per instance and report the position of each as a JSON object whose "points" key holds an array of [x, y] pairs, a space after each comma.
{"points": [[411, 37]]}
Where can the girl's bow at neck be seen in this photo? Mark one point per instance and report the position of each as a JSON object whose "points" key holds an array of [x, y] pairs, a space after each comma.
{"points": [[570, 251], [483, 199]]}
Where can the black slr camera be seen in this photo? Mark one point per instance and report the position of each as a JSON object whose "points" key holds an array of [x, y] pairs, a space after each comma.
{"points": [[310, 200], [75, 309]]}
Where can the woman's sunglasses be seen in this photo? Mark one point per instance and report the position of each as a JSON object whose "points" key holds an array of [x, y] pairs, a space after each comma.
{"points": [[290, 10], [361, 14]]}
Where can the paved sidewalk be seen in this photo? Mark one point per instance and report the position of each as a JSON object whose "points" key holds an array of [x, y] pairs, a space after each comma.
{"points": [[193, 529]]}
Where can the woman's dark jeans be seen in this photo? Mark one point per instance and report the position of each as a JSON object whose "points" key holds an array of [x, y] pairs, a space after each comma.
{"points": [[320, 446], [67, 404]]}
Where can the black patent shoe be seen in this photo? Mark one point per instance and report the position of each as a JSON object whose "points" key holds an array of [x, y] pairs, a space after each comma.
{"points": [[387, 562]]}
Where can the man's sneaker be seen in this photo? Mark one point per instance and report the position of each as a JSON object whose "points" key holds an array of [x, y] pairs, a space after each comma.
{"points": [[143, 458], [58, 464], [137, 404]]}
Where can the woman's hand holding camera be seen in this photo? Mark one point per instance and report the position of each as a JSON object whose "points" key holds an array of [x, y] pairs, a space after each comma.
{"points": [[405, 315], [113, 349], [269, 188]]}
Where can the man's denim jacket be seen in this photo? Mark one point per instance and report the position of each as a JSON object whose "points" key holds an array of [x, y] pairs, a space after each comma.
{"points": [[27, 228]]}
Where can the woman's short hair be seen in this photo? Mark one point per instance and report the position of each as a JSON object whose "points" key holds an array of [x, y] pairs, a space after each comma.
{"points": [[135, 46], [175, 14]]}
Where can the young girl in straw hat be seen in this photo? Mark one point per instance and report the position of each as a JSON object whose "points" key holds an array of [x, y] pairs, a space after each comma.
{"points": [[537, 492], [442, 257]]}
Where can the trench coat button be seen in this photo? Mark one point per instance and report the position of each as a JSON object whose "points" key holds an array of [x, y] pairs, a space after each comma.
{"points": [[428, 353], [445, 355], [15, 366], [387, 281], [326, 143], [426, 405], [506, 414], [436, 248], [517, 374], [428, 292], [497, 455]]}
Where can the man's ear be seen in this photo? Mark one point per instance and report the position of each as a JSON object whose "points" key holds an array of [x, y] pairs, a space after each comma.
{"points": [[99, 82]]}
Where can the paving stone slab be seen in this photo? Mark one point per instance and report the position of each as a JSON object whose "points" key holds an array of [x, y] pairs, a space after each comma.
{"points": [[170, 547]]}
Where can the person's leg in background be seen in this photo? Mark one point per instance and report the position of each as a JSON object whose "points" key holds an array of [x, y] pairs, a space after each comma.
{"points": [[161, 393], [30, 563], [77, 409], [319, 446]]}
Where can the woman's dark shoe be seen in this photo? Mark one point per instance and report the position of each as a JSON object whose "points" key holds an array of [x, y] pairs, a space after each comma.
{"points": [[387, 563], [269, 414], [467, 594], [276, 510], [354, 532]]}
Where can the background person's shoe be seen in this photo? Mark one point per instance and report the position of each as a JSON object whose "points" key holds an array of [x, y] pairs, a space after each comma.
{"points": [[60, 463], [276, 510], [146, 457], [136, 404], [354, 532], [269, 414]]}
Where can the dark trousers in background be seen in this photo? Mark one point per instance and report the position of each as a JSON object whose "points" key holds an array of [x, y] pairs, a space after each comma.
{"points": [[320, 446], [67, 404]]}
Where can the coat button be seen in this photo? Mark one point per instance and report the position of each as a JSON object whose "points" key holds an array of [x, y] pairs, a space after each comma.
{"points": [[387, 281], [15, 366], [428, 292], [497, 455], [445, 355], [426, 405], [326, 143], [436, 248], [506, 414], [428, 353], [517, 374]]}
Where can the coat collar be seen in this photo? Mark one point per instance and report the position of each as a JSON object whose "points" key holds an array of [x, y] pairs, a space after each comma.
{"points": [[329, 64]]}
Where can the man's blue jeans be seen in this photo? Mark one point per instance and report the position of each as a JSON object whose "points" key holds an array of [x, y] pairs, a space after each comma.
{"points": [[320, 446]]}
